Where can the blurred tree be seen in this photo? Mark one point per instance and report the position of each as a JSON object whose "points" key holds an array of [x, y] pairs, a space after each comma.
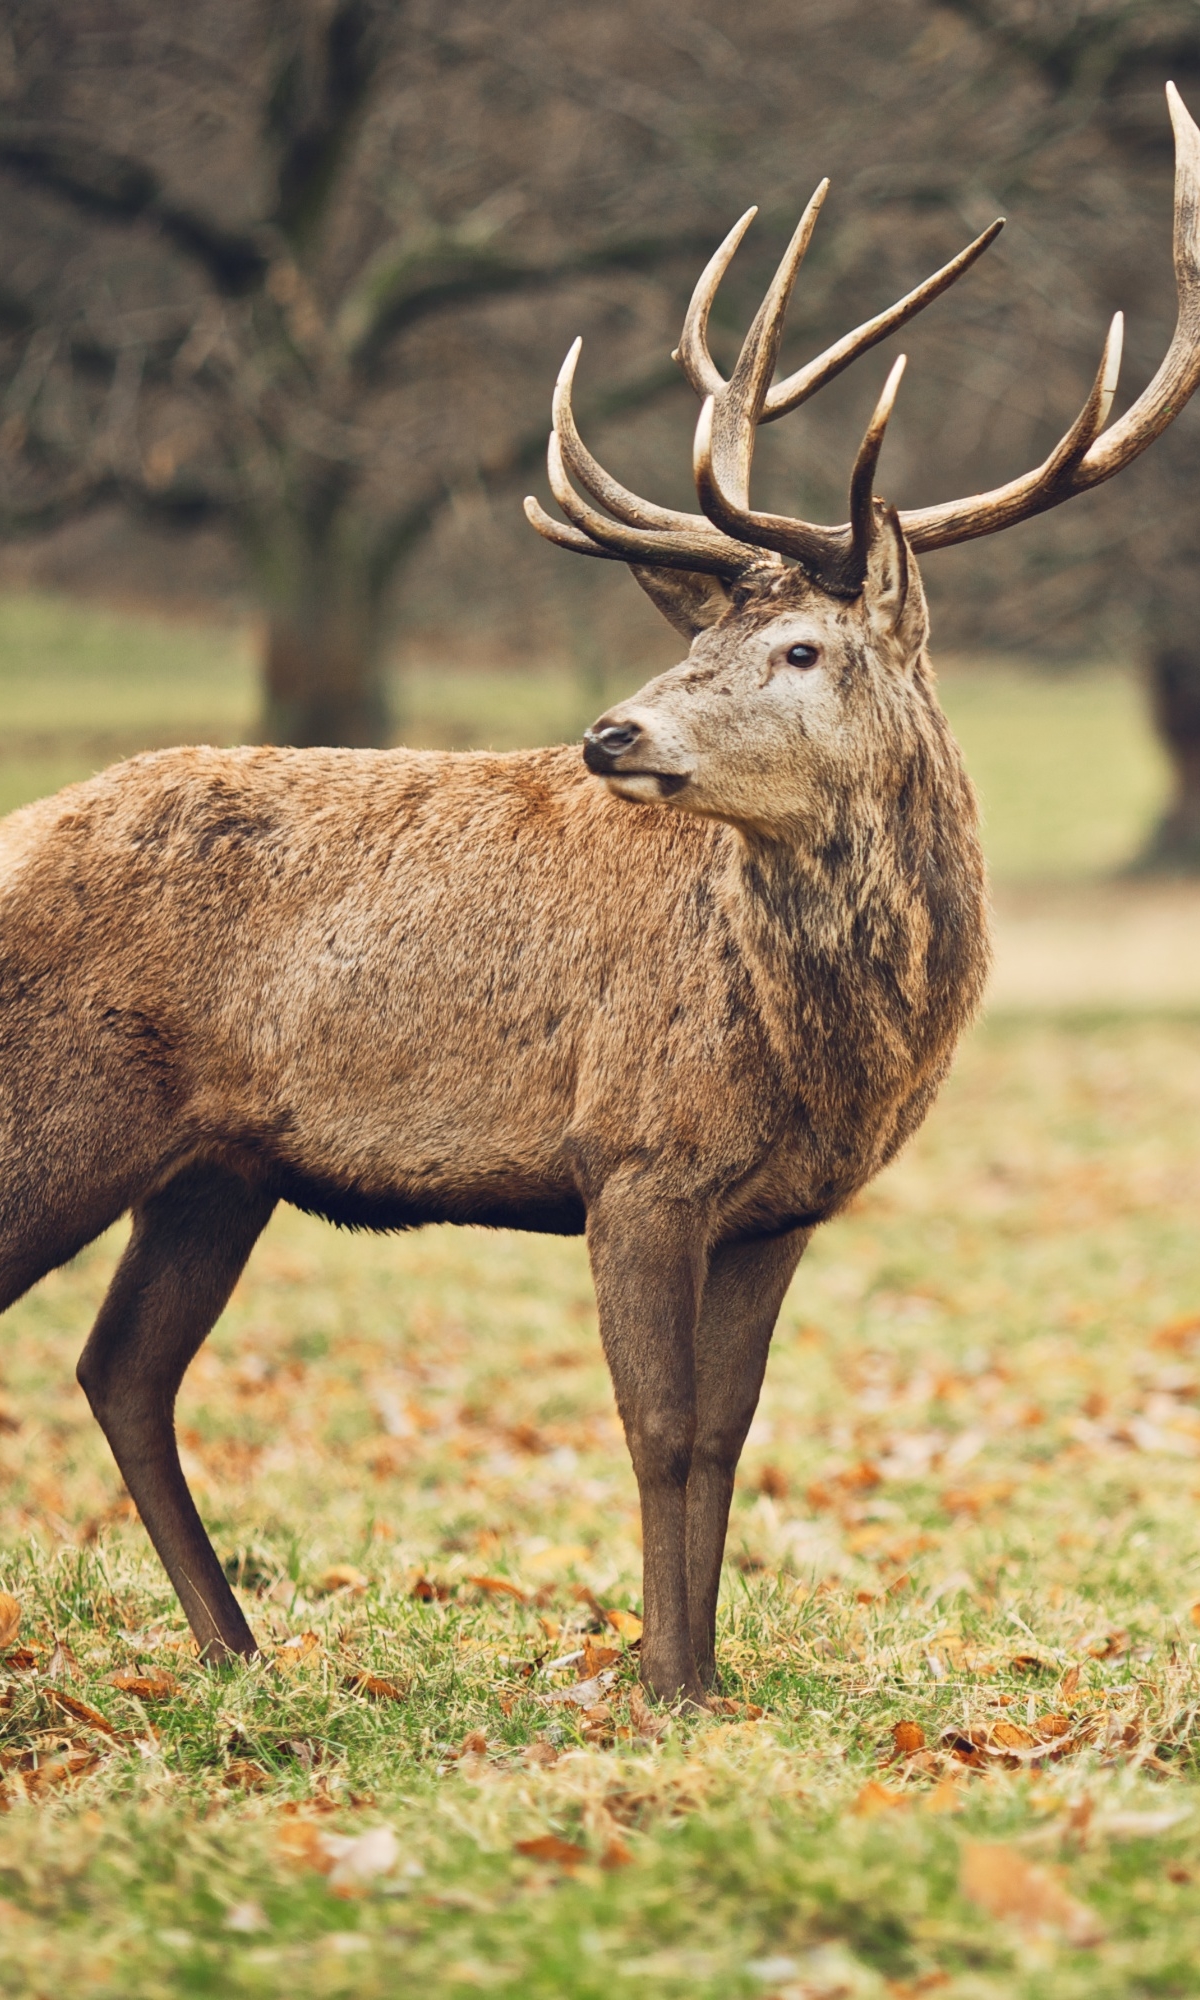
{"points": [[308, 267]]}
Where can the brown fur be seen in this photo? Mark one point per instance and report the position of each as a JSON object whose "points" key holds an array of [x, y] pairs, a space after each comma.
{"points": [[400, 987]]}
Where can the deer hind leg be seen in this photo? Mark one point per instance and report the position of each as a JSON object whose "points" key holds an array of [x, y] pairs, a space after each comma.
{"points": [[743, 1292], [648, 1266], [188, 1247]]}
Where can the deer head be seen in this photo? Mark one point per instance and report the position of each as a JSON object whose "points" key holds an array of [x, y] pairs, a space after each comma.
{"points": [[805, 638]]}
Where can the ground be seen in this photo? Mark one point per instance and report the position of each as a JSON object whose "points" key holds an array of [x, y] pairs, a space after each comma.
{"points": [[956, 1747]]}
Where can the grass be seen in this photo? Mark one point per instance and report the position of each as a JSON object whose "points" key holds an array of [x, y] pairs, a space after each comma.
{"points": [[957, 1752]]}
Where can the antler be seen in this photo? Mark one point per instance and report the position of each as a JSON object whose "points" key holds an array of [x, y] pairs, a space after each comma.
{"points": [[729, 538]]}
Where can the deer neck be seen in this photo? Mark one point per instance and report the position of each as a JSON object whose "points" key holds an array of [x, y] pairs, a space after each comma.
{"points": [[865, 935]]}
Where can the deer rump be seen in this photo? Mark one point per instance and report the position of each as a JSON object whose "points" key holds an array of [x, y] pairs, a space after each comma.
{"points": [[689, 997]]}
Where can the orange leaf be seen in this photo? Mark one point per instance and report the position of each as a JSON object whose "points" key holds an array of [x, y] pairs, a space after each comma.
{"points": [[377, 1686], [595, 1657], [1111, 1647], [82, 1713], [552, 1848], [428, 1592], [643, 1718], [616, 1855], [946, 1796], [302, 1841], [625, 1625], [1051, 1727], [1010, 1736], [157, 1685], [10, 1619], [876, 1798], [474, 1744], [341, 1576], [1070, 1681], [1001, 1881], [243, 1774], [908, 1737], [499, 1586]]}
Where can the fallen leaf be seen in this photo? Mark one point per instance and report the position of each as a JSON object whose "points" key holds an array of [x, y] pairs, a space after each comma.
{"points": [[616, 1855], [876, 1798], [341, 1576], [377, 1686], [243, 1775], [1069, 1683], [595, 1658], [1053, 1727], [643, 1718], [552, 1848], [427, 1592], [293, 1652], [1003, 1883], [358, 1859], [1010, 1736], [908, 1737], [155, 1685], [499, 1586], [474, 1744], [62, 1664], [1111, 1646], [90, 1717], [1030, 1663], [10, 1619], [625, 1625], [975, 1499], [946, 1796], [584, 1694]]}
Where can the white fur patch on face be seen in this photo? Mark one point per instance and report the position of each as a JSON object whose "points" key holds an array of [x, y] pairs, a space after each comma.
{"points": [[643, 788]]}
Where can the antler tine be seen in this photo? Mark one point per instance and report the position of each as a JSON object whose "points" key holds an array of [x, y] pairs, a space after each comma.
{"points": [[796, 389], [618, 499], [837, 557], [1084, 458], [702, 548], [738, 404], [692, 352], [862, 478], [566, 537]]}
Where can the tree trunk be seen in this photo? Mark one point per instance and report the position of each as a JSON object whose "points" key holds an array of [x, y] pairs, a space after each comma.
{"points": [[323, 682], [1174, 846], [323, 654]]}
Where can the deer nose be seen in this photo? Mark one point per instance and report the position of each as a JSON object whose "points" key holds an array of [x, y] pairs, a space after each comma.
{"points": [[605, 742]]}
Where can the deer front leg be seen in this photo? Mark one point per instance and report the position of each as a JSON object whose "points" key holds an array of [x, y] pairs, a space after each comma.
{"points": [[648, 1264], [742, 1295], [188, 1247]]}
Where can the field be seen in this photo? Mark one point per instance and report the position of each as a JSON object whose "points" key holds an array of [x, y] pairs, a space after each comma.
{"points": [[956, 1747]]}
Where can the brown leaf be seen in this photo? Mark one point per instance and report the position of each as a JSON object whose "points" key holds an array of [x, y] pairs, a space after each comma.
{"points": [[499, 1586], [552, 1848], [876, 1798], [341, 1576], [10, 1619], [428, 1592], [474, 1744], [1069, 1683], [1003, 1883], [244, 1775], [1051, 1727], [595, 1658], [302, 1841], [1029, 1663], [377, 1686], [81, 1712], [773, 1481], [616, 1855], [155, 1685], [1010, 1736], [946, 1796], [643, 1718], [975, 1499], [1111, 1647], [908, 1738]]}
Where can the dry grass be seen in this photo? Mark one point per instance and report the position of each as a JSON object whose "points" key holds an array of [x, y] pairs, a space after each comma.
{"points": [[967, 1508]]}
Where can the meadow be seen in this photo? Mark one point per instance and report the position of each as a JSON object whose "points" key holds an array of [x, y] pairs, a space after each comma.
{"points": [[955, 1747]]}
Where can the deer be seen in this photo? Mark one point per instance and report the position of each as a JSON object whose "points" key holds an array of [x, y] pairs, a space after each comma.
{"points": [[684, 995]]}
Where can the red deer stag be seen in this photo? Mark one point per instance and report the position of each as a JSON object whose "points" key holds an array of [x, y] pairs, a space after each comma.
{"points": [[687, 994]]}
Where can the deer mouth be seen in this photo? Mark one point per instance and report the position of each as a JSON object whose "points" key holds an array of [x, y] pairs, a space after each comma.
{"points": [[635, 784]]}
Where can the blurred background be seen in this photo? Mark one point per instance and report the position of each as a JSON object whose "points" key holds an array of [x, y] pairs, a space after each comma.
{"points": [[285, 284]]}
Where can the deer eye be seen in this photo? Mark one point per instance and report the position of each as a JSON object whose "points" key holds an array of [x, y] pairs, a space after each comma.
{"points": [[802, 656]]}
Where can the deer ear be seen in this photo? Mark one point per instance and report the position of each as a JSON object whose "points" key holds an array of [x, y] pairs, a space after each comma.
{"points": [[689, 599], [892, 591]]}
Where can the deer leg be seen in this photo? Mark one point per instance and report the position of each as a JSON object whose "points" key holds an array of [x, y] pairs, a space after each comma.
{"points": [[743, 1292], [648, 1265], [187, 1250]]}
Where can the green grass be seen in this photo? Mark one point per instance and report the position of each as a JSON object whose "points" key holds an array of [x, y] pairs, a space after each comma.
{"points": [[1069, 772], [969, 1504], [977, 1445]]}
